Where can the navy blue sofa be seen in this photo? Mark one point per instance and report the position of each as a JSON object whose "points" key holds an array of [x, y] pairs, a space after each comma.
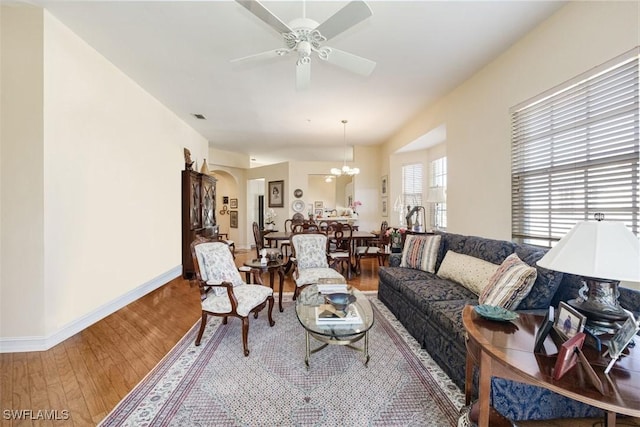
{"points": [[430, 308]]}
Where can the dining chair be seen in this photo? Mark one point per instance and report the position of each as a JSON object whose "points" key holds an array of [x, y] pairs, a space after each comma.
{"points": [[230, 243], [373, 247], [309, 250], [340, 238], [259, 240], [223, 293]]}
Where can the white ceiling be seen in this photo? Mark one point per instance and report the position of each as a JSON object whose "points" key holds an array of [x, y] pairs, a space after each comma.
{"points": [[180, 52]]}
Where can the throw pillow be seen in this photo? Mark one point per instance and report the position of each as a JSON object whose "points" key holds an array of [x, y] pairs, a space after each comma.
{"points": [[509, 285], [420, 252], [471, 272]]}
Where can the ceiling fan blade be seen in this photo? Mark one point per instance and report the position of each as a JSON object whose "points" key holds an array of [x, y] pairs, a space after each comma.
{"points": [[351, 62], [259, 10], [275, 53], [344, 19], [303, 75]]}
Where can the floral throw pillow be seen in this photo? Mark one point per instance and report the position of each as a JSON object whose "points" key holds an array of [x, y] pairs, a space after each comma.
{"points": [[420, 252], [510, 284]]}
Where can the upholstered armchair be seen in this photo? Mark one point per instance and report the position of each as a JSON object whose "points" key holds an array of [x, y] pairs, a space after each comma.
{"points": [[311, 264], [222, 291]]}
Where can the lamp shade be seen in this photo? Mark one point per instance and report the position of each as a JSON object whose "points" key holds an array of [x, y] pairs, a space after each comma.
{"points": [[436, 195], [596, 249]]}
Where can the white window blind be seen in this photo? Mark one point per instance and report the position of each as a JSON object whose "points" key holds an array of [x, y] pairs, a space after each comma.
{"points": [[412, 179], [575, 153], [439, 181]]}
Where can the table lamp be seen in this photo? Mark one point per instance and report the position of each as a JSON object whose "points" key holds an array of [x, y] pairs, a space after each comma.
{"points": [[603, 253]]}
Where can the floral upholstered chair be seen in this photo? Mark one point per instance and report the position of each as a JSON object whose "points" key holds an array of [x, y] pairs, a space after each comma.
{"points": [[311, 264], [222, 291]]}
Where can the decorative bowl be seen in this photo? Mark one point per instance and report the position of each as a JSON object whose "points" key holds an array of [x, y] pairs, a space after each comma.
{"points": [[340, 300], [493, 312]]}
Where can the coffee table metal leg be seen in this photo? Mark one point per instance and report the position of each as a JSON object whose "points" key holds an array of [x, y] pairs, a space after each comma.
{"points": [[306, 357], [366, 348]]}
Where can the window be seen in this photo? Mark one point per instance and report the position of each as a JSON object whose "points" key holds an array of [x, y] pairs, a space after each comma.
{"points": [[575, 152], [412, 185], [437, 193]]}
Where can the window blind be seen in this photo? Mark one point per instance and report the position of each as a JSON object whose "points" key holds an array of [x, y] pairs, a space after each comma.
{"points": [[575, 153], [412, 179]]}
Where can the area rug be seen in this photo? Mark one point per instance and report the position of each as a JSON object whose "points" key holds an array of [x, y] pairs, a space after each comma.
{"points": [[215, 385]]}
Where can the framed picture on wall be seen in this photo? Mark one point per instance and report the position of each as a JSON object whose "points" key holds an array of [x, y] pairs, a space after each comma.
{"points": [[385, 208], [233, 219], [383, 185], [233, 204], [318, 205], [276, 194]]}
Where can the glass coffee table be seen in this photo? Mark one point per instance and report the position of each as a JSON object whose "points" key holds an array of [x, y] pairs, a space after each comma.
{"points": [[346, 333]]}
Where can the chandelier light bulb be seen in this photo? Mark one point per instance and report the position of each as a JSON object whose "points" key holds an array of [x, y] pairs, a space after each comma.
{"points": [[346, 170]]}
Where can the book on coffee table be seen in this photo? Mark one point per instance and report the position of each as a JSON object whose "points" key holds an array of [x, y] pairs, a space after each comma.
{"points": [[327, 314]]}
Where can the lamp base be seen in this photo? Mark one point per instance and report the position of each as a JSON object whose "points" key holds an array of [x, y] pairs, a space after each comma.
{"points": [[598, 300]]}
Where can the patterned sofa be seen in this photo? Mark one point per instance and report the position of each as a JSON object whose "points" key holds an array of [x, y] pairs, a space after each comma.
{"points": [[430, 308]]}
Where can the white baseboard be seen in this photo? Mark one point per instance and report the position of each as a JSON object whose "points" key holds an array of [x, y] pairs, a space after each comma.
{"points": [[22, 344]]}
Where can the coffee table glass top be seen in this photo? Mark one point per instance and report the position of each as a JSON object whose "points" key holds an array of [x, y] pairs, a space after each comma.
{"points": [[307, 306]]}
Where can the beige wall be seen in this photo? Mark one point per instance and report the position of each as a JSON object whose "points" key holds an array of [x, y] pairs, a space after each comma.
{"points": [[107, 163], [578, 37], [22, 296]]}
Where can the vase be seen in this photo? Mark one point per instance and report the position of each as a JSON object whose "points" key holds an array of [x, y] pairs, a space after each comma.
{"points": [[205, 167], [269, 227], [396, 243]]}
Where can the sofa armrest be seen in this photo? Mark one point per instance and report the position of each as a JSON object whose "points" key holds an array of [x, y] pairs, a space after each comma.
{"points": [[394, 260]]}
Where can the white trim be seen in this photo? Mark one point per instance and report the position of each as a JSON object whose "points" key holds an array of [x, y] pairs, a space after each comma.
{"points": [[21, 344]]}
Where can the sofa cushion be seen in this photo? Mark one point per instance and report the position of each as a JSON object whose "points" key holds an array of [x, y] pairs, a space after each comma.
{"points": [[472, 273], [547, 281], [424, 293], [421, 252], [494, 251], [509, 285], [395, 277]]}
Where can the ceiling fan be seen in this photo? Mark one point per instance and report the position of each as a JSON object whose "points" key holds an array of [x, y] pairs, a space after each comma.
{"points": [[305, 36]]}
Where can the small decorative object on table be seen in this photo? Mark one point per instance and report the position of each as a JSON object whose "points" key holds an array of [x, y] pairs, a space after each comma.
{"points": [[568, 355], [395, 235], [494, 312], [269, 219], [544, 329]]}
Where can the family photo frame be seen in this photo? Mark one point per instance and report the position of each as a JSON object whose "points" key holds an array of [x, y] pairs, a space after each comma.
{"points": [[276, 194], [568, 322]]}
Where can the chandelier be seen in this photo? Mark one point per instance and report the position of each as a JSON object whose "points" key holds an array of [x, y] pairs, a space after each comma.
{"points": [[346, 170]]}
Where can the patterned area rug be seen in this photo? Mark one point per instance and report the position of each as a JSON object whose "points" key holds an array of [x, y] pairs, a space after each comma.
{"points": [[215, 385]]}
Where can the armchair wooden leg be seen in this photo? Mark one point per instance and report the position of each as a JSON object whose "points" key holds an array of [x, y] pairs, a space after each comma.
{"points": [[224, 320], [203, 323], [245, 334], [271, 322]]}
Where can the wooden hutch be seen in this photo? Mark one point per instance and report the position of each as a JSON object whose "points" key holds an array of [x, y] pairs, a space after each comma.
{"points": [[198, 213]]}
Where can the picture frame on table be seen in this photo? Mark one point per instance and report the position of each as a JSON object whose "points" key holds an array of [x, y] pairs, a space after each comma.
{"points": [[621, 340], [568, 355], [385, 207], [384, 185], [544, 329], [569, 321], [233, 203], [233, 219], [276, 194], [319, 213]]}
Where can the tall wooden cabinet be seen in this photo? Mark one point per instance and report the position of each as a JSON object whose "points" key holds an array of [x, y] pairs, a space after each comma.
{"points": [[198, 213]]}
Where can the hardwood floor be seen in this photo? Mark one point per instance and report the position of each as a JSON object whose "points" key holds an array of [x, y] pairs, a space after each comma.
{"points": [[84, 377], [80, 380]]}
